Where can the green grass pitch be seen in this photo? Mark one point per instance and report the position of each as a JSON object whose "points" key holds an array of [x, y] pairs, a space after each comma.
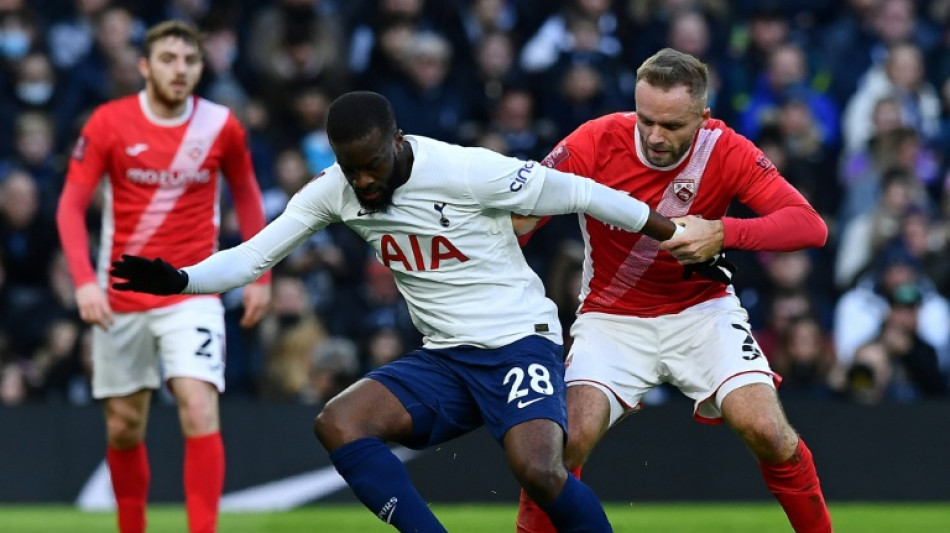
{"points": [[633, 518]]}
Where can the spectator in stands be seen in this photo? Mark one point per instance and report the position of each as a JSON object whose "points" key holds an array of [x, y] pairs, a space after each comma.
{"points": [[868, 378], [918, 370], [495, 70], [430, 100], [71, 37], [858, 41], [804, 358], [903, 76], [557, 37], [861, 311], [383, 345], [34, 142], [292, 334], [311, 110], [13, 389], [293, 43], [526, 135], [87, 82], [785, 79], [899, 149], [864, 236], [584, 82], [334, 366]]}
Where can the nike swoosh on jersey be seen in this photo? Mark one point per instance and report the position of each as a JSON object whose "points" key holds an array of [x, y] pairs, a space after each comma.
{"points": [[523, 404], [389, 516]]}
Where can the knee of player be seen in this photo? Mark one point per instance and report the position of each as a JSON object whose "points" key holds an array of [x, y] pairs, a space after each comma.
{"points": [[767, 436], [578, 447], [125, 431], [540, 477], [332, 427]]}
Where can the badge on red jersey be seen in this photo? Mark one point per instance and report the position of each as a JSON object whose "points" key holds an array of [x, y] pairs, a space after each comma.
{"points": [[556, 157], [763, 162], [79, 150], [684, 189]]}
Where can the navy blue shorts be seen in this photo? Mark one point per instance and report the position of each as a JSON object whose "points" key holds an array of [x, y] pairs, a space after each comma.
{"points": [[452, 391]]}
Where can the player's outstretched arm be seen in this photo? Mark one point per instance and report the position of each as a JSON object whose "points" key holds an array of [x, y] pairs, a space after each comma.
{"points": [[569, 193], [222, 271]]}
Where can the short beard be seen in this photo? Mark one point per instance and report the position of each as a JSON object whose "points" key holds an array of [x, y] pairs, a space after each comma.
{"points": [[380, 204], [170, 101]]}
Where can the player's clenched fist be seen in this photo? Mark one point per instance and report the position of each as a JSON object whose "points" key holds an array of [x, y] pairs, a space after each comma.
{"points": [[154, 276]]}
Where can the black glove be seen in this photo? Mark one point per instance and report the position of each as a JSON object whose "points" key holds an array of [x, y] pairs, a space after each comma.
{"points": [[153, 276], [717, 269]]}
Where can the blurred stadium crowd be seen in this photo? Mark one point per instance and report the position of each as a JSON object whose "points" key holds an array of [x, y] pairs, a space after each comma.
{"points": [[850, 100]]}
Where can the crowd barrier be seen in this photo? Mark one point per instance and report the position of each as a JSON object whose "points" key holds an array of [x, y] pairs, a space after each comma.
{"points": [[52, 453]]}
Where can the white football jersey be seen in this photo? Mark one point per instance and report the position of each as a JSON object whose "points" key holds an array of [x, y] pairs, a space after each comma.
{"points": [[448, 239]]}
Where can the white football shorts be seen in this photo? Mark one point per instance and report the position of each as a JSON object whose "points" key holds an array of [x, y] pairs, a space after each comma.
{"points": [[706, 351], [140, 349]]}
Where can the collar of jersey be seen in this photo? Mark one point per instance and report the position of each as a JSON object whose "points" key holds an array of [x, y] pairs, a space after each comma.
{"points": [[167, 122]]}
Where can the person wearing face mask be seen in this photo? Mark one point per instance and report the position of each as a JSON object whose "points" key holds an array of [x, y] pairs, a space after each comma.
{"points": [[15, 40], [35, 82]]}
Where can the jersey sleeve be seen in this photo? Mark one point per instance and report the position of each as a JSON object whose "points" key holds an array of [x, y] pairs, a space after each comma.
{"points": [[787, 221], [314, 203], [499, 182], [565, 157], [239, 173], [87, 165], [89, 159]]}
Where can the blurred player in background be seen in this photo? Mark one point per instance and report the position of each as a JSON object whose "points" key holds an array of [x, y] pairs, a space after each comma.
{"points": [[162, 150], [643, 319], [439, 216]]}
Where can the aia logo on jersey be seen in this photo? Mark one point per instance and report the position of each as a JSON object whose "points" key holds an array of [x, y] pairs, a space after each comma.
{"points": [[763, 162], [684, 189], [556, 157], [440, 249], [79, 150]]}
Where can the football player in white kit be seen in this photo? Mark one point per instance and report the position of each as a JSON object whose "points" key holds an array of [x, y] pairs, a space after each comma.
{"points": [[440, 217]]}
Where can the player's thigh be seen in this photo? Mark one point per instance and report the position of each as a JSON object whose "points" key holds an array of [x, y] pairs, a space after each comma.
{"points": [[616, 355], [191, 340], [710, 351], [525, 383], [124, 358], [430, 389]]}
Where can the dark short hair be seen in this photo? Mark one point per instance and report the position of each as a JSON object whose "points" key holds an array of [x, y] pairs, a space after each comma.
{"points": [[356, 114], [671, 68], [173, 28]]}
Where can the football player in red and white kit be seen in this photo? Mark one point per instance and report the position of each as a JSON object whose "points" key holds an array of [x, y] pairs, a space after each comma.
{"points": [[161, 151], [640, 323]]}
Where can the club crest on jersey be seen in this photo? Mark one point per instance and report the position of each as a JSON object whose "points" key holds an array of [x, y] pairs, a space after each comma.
{"points": [[196, 150], [444, 222], [684, 189], [558, 156]]}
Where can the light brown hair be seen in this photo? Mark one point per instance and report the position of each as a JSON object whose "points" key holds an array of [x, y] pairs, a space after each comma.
{"points": [[173, 28], [670, 68]]}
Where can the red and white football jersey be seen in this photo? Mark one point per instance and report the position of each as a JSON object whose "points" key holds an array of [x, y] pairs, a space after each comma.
{"points": [[163, 186], [627, 273]]}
